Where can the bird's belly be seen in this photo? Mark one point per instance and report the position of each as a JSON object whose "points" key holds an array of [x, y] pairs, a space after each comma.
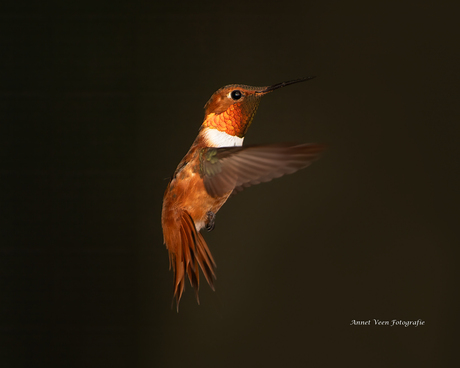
{"points": [[191, 195]]}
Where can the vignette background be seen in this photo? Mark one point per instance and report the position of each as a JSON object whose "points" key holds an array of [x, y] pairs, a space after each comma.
{"points": [[100, 101]]}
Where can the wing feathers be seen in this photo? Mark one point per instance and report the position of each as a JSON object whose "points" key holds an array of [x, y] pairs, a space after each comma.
{"points": [[240, 167]]}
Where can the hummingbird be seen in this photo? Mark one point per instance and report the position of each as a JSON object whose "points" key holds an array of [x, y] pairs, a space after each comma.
{"points": [[215, 167]]}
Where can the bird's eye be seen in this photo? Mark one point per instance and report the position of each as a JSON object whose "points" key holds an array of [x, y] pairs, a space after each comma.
{"points": [[236, 95]]}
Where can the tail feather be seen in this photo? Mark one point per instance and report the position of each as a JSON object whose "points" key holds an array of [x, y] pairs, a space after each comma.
{"points": [[188, 250], [206, 261], [191, 265]]}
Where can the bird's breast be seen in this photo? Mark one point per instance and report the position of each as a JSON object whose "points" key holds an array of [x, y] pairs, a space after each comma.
{"points": [[186, 191]]}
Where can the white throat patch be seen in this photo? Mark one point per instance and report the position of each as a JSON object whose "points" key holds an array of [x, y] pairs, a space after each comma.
{"points": [[216, 138]]}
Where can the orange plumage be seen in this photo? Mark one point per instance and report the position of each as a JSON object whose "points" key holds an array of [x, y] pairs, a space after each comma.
{"points": [[215, 166]]}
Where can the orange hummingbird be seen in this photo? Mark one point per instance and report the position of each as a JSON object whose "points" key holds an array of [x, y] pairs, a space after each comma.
{"points": [[215, 167]]}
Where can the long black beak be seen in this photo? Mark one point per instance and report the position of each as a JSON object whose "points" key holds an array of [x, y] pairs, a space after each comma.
{"points": [[283, 84]]}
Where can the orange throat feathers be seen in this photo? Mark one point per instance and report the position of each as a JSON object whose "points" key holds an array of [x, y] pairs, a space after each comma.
{"points": [[235, 120]]}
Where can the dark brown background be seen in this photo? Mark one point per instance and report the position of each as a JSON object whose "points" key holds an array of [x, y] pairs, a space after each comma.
{"points": [[101, 99]]}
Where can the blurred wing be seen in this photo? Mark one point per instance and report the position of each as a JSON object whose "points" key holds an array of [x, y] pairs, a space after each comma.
{"points": [[235, 168]]}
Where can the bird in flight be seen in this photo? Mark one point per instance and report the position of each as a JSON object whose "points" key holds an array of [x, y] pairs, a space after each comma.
{"points": [[217, 165]]}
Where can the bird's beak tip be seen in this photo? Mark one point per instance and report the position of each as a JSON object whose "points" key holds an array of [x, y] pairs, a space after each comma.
{"points": [[284, 84]]}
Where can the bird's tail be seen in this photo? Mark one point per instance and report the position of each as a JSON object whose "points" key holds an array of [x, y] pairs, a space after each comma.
{"points": [[187, 249]]}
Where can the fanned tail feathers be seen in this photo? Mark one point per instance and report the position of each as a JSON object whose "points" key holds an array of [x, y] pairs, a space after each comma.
{"points": [[188, 250]]}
